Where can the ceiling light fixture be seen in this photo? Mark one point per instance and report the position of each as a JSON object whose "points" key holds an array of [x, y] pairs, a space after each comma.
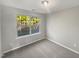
{"points": [[48, 3], [45, 3]]}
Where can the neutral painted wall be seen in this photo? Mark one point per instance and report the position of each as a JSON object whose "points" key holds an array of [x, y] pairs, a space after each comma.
{"points": [[0, 28], [63, 28], [9, 33]]}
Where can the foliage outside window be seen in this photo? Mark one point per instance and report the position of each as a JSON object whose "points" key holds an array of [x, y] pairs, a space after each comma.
{"points": [[27, 25]]}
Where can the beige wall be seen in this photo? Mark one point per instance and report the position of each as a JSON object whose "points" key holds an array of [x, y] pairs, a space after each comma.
{"points": [[0, 32], [63, 28]]}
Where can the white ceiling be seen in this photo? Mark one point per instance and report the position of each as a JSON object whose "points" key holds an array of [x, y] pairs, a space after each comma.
{"points": [[34, 5]]}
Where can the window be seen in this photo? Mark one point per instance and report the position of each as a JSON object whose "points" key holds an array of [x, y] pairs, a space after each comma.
{"points": [[34, 25], [27, 25]]}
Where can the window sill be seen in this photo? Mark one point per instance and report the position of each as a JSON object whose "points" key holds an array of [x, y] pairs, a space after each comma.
{"points": [[27, 35]]}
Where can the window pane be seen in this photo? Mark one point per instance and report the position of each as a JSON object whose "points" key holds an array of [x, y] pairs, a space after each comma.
{"points": [[23, 25], [35, 25]]}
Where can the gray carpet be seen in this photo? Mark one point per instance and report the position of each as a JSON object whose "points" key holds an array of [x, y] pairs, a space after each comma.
{"points": [[42, 49]]}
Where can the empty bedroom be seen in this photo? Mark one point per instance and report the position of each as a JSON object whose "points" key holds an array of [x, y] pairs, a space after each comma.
{"points": [[39, 28]]}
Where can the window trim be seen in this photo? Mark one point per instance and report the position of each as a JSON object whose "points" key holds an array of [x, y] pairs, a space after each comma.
{"points": [[29, 35]]}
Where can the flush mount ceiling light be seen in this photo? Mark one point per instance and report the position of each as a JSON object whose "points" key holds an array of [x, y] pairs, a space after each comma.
{"points": [[45, 3], [48, 3]]}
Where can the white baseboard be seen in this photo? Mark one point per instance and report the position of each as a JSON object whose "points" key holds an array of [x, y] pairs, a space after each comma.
{"points": [[64, 46], [41, 39], [20, 46]]}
